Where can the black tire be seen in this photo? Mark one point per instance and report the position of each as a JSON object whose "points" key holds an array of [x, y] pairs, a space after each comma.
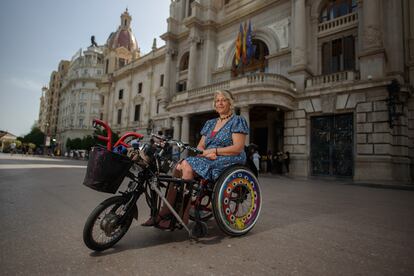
{"points": [[98, 220], [237, 187]]}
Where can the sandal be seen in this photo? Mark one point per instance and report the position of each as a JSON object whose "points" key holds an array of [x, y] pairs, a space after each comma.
{"points": [[164, 224], [153, 222]]}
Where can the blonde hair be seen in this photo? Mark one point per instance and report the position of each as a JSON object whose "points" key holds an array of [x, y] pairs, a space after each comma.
{"points": [[226, 94]]}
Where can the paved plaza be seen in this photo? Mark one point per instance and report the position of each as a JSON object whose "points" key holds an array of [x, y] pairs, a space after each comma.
{"points": [[307, 227]]}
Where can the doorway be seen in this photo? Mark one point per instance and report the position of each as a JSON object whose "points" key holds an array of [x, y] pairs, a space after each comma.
{"points": [[332, 145]]}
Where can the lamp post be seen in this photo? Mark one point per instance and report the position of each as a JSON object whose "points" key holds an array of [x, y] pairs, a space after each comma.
{"points": [[149, 127]]}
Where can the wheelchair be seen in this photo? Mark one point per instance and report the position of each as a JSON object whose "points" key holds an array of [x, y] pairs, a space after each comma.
{"points": [[234, 200]]}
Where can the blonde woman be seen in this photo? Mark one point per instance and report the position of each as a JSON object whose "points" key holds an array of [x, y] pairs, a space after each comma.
{"points": [[222, 143]]}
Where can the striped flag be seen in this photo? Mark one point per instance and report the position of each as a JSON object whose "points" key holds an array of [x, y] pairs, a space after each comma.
{"points": [[244, 48], [238, 52]]}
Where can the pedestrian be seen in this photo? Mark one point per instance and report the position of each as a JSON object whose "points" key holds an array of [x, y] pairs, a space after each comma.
{"points": [[12, 148], [256, 160], [269, 161], [286, 159]]}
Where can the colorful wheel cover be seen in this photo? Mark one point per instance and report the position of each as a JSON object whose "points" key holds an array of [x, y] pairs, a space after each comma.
{"points": [[239, 201]]}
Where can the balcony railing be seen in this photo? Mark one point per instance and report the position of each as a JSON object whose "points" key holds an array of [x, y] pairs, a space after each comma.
{"points": [[338, 23], [332, 79], [263, 79]]}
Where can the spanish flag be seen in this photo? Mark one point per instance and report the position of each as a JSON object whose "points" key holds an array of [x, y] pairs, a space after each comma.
{"points": [[238, 52], [244, 48]]}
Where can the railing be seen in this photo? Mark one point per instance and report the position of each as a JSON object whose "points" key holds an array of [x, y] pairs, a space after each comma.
{"points": [[250, 80], [331, 79], [342, 21]]}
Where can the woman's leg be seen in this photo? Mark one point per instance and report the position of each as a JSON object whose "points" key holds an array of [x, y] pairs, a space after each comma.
{"points": [[184, 170]]}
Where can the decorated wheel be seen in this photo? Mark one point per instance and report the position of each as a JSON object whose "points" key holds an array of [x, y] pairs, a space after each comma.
{"points": [[237, 201]]}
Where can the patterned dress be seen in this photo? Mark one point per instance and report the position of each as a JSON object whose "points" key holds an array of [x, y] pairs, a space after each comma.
{"points": [[211, 169]]}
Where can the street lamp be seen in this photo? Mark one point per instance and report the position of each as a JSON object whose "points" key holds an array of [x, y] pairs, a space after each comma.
{"points": [[149, 127]]}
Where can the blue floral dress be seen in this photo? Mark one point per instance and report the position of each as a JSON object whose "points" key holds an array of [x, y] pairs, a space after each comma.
{"points": [[211, 169]]}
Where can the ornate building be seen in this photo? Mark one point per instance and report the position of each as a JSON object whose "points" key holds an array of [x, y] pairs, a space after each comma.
{"points": [[330, 81], [79, 100]]}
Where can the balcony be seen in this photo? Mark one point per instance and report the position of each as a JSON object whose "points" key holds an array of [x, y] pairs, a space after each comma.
{"points": [[338, 24], [246, 84], [332, 79]]}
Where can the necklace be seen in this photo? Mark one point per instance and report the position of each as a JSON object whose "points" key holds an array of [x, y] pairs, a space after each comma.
{"points": [[225, 117]]}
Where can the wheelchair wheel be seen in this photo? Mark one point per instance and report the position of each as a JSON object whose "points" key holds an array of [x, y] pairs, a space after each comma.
{"points": [[237, 201]]}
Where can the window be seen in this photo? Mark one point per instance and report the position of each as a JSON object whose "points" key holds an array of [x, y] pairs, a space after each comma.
{"points": [[80, 122], [106, 66], [121, 62], [121, 94], [189, 7], [137, 112], [337, 8], [82, 108], [119, 118], [83, 84], [140, 88], [338, 55], [101, 116], [158, 106], [184, 61], [181, 86], [162, 80]]}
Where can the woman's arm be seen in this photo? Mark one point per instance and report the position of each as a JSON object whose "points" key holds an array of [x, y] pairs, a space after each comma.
{"points": [[235, 149], [202, 145]]}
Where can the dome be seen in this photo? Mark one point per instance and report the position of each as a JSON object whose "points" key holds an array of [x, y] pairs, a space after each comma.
{"points": [[123, 37]]}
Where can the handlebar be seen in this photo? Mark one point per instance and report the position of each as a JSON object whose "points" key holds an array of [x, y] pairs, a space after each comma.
{"points": [[179, 144]]}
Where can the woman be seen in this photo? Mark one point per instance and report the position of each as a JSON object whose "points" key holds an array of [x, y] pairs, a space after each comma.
{"points": [[222, 143]]}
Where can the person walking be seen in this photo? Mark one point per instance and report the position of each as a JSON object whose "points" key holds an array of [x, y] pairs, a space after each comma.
{"points": [[269, 161], [256, 160]]}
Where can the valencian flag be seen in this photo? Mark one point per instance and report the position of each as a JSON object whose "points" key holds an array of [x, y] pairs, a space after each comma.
{"points": [[238, 53]]}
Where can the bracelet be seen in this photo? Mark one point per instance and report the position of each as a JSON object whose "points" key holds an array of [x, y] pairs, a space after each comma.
{"points": [[216, 152]]}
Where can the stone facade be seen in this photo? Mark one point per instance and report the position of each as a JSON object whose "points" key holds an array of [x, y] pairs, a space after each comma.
{"points": [[322, 91]]}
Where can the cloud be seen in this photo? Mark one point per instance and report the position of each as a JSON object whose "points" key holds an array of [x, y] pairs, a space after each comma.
{"points": [[25, 84]]}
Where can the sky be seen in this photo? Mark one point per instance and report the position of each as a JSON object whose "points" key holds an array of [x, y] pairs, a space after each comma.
{"points": [[36, 35]]}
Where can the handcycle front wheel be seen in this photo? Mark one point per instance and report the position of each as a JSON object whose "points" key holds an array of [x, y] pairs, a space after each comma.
{"points": [[102, 229], [237, 201]]}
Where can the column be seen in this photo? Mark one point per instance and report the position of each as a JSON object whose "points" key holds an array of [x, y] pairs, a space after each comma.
{"points": [[209, 52], [372, 58], [394, 39], [192, 64], [411, 40], [244, 112], [166, 92], [177, 128], [299, 71], [185, 129], [299, 34]]}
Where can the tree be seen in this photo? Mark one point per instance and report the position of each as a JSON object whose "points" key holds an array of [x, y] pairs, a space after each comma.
{"points": [[88, 142], [35, 136]]}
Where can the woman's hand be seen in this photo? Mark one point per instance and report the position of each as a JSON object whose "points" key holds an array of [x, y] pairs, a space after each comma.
{"points": [[211, 156]]}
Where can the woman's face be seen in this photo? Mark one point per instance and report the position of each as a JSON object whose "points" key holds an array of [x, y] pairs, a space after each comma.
{"points": [[222, 105]]}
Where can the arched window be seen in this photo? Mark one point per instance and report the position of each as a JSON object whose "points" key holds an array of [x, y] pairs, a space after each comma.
{"points": [[184, 61], [257, 63], [337, 8]]}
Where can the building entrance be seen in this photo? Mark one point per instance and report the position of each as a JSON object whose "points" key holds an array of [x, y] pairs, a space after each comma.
{"points": [[332, 145]]}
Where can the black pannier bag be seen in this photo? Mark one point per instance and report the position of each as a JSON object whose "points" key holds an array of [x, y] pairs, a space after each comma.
{"points": [[106, 170]]}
